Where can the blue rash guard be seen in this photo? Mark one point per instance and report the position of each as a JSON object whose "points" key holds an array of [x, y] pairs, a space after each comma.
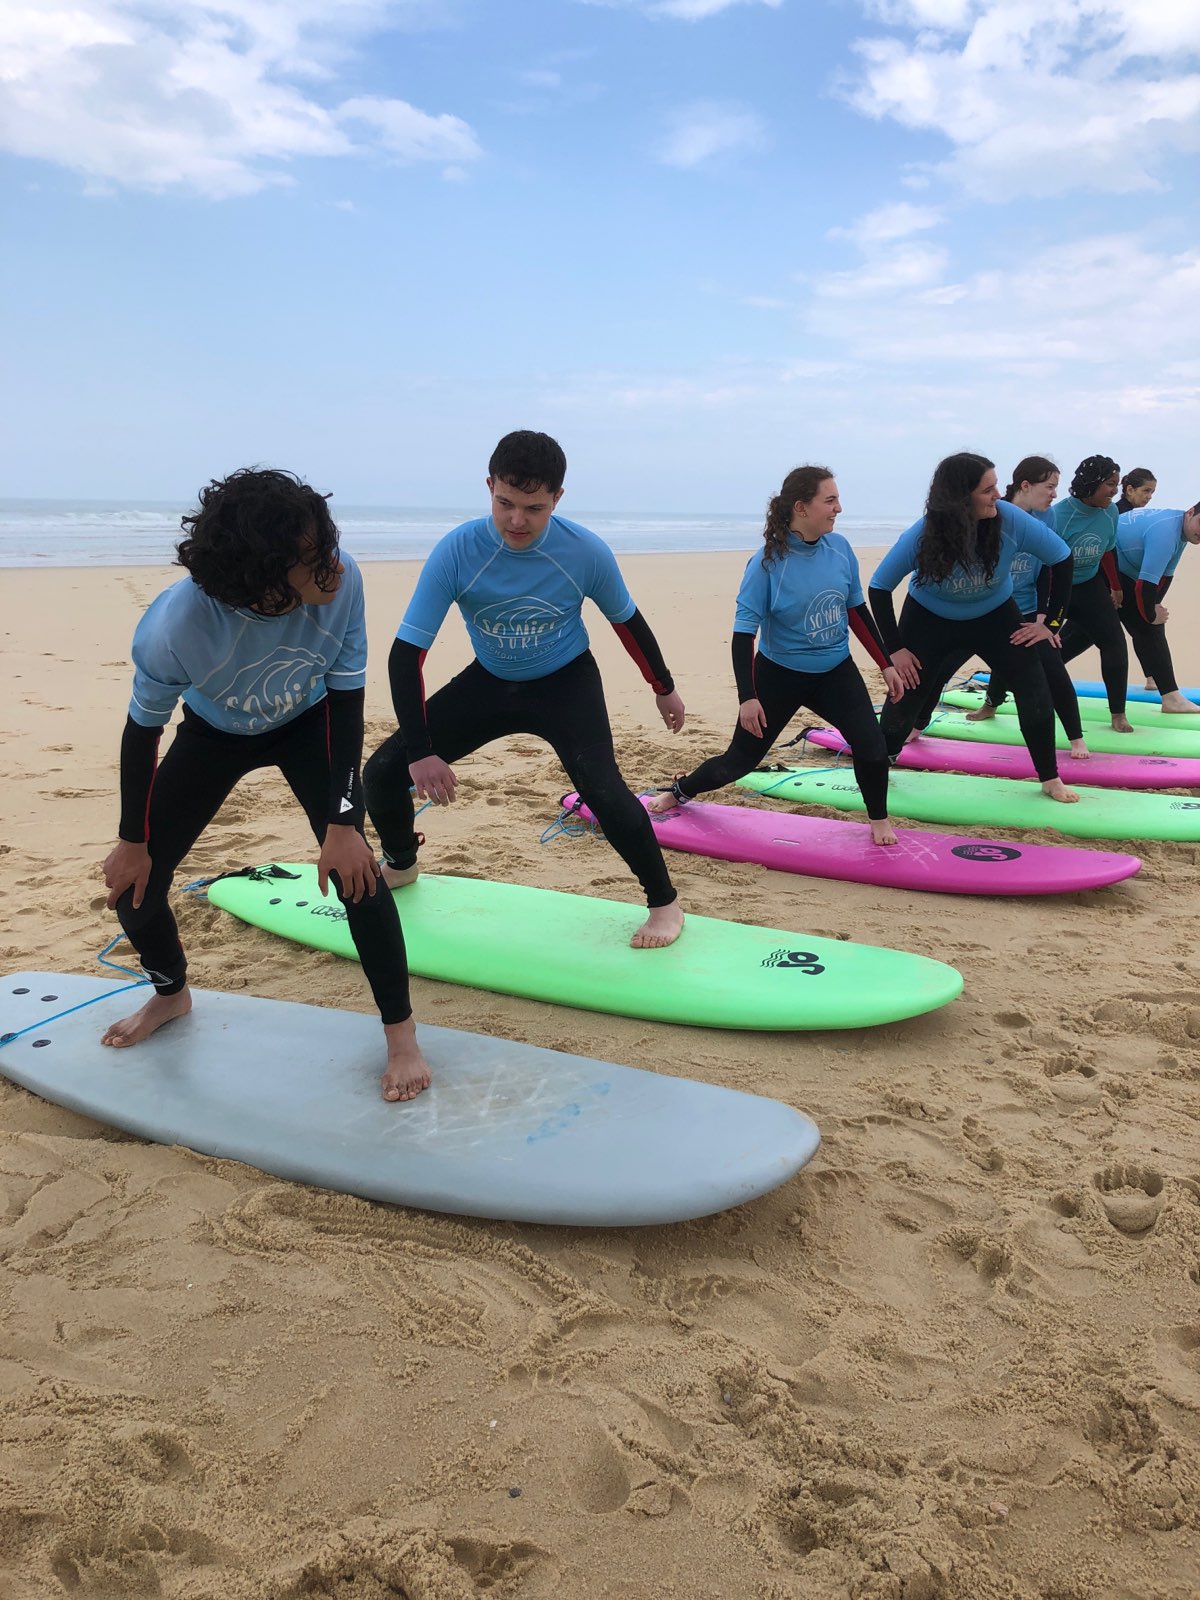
{"points": [[521, 607], [1090, 531], [798, 604], [1150, 543], [1026, 569], [968, 592], [240, 671]]}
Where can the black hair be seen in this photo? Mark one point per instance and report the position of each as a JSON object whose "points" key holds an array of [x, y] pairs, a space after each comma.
{"points": [[1137, 479], [800, 484], [529, 462], [952, 537], [1090, 474], [251, 529], [1030, 470]]}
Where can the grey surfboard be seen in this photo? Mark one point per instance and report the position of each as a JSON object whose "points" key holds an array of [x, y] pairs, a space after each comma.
{"points": [[506, 1130]]}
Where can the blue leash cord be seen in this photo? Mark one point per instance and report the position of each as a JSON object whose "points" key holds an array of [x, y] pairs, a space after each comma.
{"points": [[569, 822], [140, 983]]}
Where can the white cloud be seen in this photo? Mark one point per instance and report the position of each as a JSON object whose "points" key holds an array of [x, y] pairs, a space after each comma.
{"points": [[540, 78], [682, 10], [1039, 98], [211, 95], [894, 221], [704, 130]]}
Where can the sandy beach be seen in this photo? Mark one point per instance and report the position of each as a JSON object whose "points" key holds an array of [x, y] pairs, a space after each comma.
{"points": [[957, 1358]]}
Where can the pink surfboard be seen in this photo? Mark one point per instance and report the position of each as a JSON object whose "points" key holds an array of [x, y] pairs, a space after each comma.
{"points": [[822, 847], [1012, 761]]}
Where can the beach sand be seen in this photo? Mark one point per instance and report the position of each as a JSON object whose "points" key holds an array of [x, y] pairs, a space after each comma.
{"points": [[957, 1358]]}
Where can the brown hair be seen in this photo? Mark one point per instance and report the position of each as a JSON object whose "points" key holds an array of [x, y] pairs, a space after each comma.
{"points": [[800, 484]]}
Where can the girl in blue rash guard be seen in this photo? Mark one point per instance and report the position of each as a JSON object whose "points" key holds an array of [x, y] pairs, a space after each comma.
{"points": [[960, 604], [1033, 487], [1149, 546], [520, 577], [801, 595], [266, 643], [1087, 520]]}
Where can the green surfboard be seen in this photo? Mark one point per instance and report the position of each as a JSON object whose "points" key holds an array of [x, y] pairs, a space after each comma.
{"points": [[952, 797], [574, 950], [1164, 735]]}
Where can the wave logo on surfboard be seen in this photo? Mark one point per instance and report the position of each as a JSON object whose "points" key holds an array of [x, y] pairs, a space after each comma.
{"points": [[795, 961], [825, 619], [516, 625], [985, 852]]}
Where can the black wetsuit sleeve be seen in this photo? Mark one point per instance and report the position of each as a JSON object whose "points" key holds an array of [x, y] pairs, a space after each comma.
{"points": [[883, 609], [1149, 595], [1043, 590], [862, 624], [139, 763], [742, 650], [637, 638], [408, 697], [346, 710], [1058, 598]]}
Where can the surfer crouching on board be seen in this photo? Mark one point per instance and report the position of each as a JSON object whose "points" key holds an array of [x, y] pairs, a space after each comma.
{"points": [[960, 604], [801, 595], [266, 643], [519, 577]]}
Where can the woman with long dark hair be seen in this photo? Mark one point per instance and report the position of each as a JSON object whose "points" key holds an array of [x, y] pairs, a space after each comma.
{"points": [[1087, 520], [1032, 489], [960, 604], [802, 597]]}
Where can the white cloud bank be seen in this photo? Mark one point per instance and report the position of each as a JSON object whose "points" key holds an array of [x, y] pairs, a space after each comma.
{"points": [[212, 97], [1038, 99]]}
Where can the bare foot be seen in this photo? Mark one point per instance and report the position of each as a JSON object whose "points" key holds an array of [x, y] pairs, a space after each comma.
{"points": [[983, 713], [1176, 702], [662, 802], [662, 926], [407, 1071], [398, 877], [882, 831], [1079, 750], [1121, 723], [1056, 789], [159, 1009]]}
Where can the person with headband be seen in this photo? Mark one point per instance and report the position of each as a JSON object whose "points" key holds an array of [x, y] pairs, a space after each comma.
{"points": [[801, 595], [1149, 547], [1137, 490], [1087, 520], [1033, 488], [960, 604]]}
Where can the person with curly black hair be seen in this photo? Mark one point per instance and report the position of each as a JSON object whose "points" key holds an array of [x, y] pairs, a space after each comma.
{"points": [[265, 641], [1087, 520], [960, 604], [519, 577]]}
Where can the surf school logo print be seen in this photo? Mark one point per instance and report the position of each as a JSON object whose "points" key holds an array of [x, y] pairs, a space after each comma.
{"points": [[825, 619], [511, 626], [985, 852], [794, 960], [272, 688]]}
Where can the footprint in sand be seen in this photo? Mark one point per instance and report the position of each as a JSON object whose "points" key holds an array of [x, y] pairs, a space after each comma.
{"points": [[1073, 1083], [1132, 1196]]}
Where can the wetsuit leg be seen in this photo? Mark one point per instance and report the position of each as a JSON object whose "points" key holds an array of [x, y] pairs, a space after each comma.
{"points": [[781, 693], [568, 711], [1025, 673], [941, 646], [1149, 640], [1062, 689], [471, 710], [302, 755], [193, 780], [843, 699], [1092, 620]]}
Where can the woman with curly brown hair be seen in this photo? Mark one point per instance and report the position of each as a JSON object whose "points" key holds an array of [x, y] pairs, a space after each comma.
{"points": [[960, 604], [802, 597]]}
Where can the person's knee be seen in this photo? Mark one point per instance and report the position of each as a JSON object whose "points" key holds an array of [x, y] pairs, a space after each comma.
{"points": [[388, 765]]}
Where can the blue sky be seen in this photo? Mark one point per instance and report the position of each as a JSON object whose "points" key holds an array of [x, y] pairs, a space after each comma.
{"points": [[698, 240]]}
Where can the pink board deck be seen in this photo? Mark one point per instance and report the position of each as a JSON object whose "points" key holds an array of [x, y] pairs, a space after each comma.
{"points": [[822, 847], [1012, 761]]}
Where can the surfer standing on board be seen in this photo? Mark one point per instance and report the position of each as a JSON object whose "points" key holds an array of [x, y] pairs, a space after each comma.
{"points": [[1087, 520], [519, 577], [1149, 547], [266, 643], [801, 596], [960, 604]]}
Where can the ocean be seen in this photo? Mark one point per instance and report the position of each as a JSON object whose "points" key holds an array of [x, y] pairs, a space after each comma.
{"points": [[133, 533]]}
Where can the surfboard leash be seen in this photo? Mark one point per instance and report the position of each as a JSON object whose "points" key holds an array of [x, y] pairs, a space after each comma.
{"points": [[139, 982]]}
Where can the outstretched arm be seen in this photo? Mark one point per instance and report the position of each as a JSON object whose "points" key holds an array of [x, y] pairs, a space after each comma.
{"points": [[635, 634]]}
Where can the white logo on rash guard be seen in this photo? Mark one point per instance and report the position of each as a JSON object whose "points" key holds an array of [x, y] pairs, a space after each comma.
{"points": [[267, 690], [517, 624], [825, 617]]}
